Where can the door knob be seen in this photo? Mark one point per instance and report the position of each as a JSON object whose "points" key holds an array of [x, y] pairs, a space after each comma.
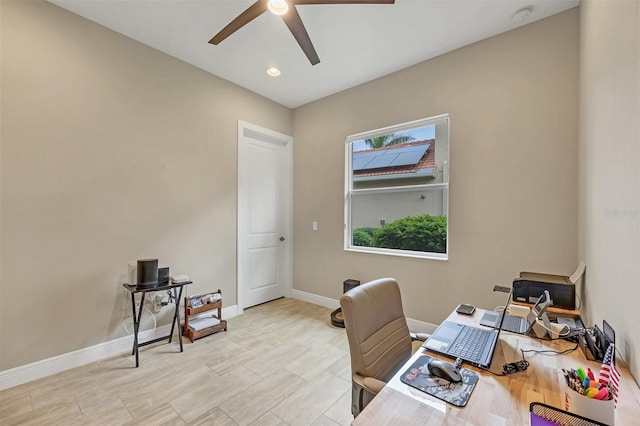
{"points": [[281, 238]]}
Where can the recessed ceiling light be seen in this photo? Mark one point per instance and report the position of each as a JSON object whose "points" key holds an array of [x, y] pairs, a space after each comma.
{"points": [[273, 72], [278, 7], [521, 15]]}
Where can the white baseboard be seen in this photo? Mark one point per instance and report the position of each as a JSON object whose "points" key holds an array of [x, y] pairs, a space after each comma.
{"points": [[421, 326], [46, 367], [414, 325], [315, 299]]}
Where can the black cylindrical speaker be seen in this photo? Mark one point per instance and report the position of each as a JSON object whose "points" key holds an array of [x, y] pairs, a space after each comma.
{"points": [[147, 272], [349, 284]]}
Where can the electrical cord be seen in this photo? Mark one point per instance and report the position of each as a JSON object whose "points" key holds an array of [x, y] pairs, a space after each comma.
{"points": [[144, 333], [514, 367], [552, 332], [549, 351], [125, 306], [510, 368]]}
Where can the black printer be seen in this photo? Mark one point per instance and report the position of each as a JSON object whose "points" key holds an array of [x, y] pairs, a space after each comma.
{"points": [[530, 285]]}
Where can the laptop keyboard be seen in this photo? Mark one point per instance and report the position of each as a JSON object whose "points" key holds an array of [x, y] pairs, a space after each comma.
{"points": [[512, 323], [470, 343]]}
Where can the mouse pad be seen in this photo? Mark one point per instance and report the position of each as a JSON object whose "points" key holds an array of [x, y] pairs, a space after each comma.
{"points": [[458, 394]]}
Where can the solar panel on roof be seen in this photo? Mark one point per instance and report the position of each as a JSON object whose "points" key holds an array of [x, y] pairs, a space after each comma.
{"points": [[374, 159], [360, 163], [409, 158], [413, 148], [381, 161], [368, 154]]}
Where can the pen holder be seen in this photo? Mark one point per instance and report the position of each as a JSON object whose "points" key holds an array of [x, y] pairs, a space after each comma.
{"points": [[595, 409]]}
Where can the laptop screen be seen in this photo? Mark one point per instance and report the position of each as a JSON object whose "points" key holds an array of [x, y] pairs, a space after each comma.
{"points": [[504, 313]]}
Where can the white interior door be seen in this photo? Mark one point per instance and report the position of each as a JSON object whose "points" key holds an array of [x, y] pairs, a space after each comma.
{"points": [[264, 218]]}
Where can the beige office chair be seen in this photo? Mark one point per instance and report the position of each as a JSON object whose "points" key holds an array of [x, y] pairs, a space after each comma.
{"points": [[378, 337]]}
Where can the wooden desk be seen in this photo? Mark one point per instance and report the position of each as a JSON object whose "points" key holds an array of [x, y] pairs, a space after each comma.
{"points": [[496, 399]]}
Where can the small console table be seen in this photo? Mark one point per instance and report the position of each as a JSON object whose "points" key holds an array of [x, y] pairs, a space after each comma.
{"points": [[177, 294]]}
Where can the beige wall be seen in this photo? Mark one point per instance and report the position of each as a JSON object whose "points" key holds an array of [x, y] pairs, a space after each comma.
{"points": [[111, 151], [610, 168], [512, 101]]}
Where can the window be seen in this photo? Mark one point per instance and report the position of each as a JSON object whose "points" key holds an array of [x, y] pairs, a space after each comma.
{"points": [[397, 189]]}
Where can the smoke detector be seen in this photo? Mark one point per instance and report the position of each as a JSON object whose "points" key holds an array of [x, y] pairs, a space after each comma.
{"points": [[521, 15]]}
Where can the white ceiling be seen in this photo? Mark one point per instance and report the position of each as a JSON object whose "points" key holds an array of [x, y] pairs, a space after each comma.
{"points": [[355, 43]]}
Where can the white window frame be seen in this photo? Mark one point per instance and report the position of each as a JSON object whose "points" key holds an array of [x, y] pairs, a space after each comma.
{"points": [[349, 191]]}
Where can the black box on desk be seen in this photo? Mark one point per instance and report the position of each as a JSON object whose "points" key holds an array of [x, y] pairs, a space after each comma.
{"points": [[163, 275], [349, 284], [530, 286]]}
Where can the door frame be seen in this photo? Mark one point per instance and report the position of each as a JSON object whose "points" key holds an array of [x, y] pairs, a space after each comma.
{"points": [[270, 136]]}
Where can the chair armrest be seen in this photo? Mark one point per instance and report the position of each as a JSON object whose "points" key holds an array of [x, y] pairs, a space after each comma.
{"points": [[374, 385], [416, 345], [371, 384], [419, 336]]}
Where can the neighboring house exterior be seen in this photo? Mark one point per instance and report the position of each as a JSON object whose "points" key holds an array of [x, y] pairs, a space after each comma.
{"points": [[413, 163]]}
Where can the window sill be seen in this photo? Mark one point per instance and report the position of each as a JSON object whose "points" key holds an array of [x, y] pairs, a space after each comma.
{"points": [[397, 253]]}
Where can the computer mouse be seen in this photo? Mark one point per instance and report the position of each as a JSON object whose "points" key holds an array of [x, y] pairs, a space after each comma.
{"points": [[444, 370]]}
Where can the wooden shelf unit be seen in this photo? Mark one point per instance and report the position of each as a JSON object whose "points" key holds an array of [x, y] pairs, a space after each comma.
{"points": [[189, 331]]}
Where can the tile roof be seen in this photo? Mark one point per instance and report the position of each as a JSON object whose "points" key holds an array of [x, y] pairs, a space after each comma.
{"points": [[428, 161]]}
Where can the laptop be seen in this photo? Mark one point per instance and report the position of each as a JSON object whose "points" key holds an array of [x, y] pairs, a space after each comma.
{"points": [[513, 323], [472, 344]]}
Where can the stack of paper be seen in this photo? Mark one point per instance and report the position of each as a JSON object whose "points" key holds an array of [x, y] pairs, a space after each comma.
{"points": [[203, 322]]}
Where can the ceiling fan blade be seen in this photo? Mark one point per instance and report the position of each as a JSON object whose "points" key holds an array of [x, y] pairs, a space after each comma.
{"points": [[301, 2], [252, 12], [294, 23]]}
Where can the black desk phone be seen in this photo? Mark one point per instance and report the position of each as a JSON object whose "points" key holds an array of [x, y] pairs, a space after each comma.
{"points": [[465, 309]]}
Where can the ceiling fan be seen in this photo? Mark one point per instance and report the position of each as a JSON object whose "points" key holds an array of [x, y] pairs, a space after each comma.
{"points": [[290, 17]]}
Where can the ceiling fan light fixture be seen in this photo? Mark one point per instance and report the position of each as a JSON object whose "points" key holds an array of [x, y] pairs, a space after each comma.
{"points": [[273, 72], [278, 7]]}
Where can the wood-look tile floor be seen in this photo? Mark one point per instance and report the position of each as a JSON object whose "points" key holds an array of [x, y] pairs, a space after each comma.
{"points": [[281, 363]]}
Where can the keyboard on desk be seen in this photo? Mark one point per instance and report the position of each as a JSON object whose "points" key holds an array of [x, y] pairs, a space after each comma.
{"points": [[513, 324], [470, 343]]}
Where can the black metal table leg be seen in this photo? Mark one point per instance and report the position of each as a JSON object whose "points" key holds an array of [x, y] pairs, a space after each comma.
{"points": [[136, 327], [137, 316], [135, 335], [178, 315]]}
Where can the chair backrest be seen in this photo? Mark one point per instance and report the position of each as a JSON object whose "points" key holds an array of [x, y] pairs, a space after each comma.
{"points": [[376, 327]]}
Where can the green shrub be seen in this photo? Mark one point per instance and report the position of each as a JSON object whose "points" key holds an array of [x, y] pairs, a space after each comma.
{"points": [[416, 233], [363, 237]]}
